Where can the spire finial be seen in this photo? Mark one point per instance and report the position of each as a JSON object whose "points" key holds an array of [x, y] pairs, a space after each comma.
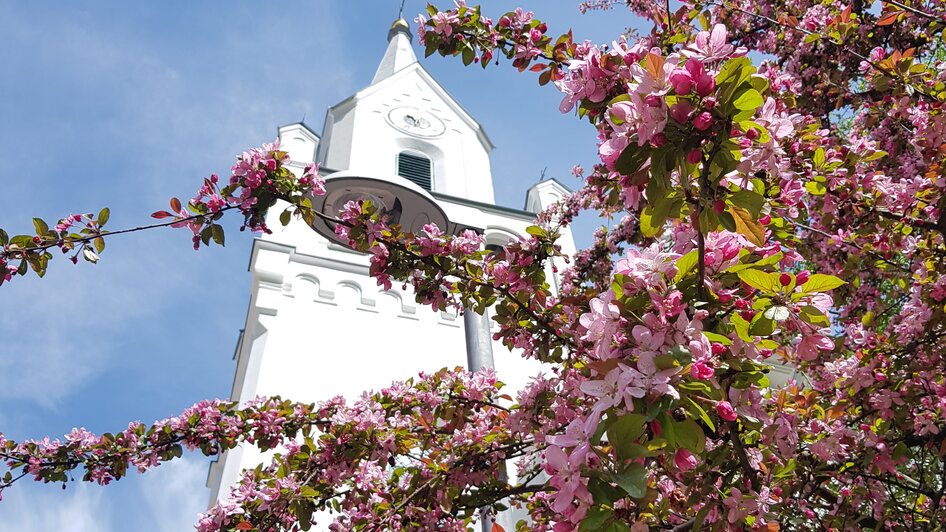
{"points": [[400, 12]]}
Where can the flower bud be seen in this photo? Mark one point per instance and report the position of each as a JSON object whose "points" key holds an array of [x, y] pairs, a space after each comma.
{"points": [[719, 206], [682, 81], [765, 220], [681, 111], [752, 134], [705, 86], [684, 460], [802, 277], [658, 140], [785, 279], [726, 411], [653, 100], [703, 121], [695, 156]]}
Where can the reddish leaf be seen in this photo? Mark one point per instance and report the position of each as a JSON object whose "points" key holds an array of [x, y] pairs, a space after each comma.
{"points": [[654, 63], [245, 525], [175, 205], [846, 14], [888, 18], [498, 528], [538, 67], [161, 214]]}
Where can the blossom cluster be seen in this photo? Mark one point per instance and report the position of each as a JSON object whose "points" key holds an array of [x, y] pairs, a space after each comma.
{"points": [[258, 179], [755, 342]]}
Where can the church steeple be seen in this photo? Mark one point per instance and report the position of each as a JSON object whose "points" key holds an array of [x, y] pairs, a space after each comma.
{"points": [[399, 54]]}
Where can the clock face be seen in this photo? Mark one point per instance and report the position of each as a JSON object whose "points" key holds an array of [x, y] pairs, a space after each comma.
{"points": [[415, 122]]}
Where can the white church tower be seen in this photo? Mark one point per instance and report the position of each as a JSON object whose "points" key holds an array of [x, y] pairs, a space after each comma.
{"points": [[318, 325]]}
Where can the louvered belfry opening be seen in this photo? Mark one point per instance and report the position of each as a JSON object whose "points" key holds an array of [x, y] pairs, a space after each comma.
{"points": [[415, 168]]}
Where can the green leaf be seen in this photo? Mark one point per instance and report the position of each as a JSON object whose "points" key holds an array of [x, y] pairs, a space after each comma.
{"points": [[4, 238], [284, 217], [725, 219], [761, 326], [41, 227], [649, 226], [595, 518], [217, 233], [633, 480], [103, 216], [820, 282], [689, 435], [814, 316], [818, 158], [735, 71], [786, 470], [741, 326], [701, 413], [718, 338], [206, 234], [631, 159], [766, 282], [748, 200], [535, 230], [764, 136], [686, 264], [815, 188], [748, 100], [625, 431], [99, 244]]}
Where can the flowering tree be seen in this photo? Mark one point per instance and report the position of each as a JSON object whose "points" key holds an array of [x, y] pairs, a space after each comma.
{"points": [[785, 212]]}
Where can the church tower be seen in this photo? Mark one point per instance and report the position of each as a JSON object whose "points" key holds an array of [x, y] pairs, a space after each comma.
{"points": [[317, 325]]}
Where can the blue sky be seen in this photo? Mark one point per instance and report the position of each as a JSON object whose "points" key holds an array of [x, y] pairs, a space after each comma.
{"points": [[125, 104]]}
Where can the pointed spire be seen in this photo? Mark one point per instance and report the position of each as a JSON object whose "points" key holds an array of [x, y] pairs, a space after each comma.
{"points": [[399, 54]]}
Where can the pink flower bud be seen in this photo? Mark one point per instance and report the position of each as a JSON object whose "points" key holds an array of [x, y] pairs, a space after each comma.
{"points": [[718, 348], [752, 134], [681, 111], [653, 100], [695, 156], [785, 279], [705, 86], [682, 81], [702, 371], [703, 121], [658, 140], [726, 411], [765, 220], [719, 206], [802, 277], [684, 460], [709, 103]]}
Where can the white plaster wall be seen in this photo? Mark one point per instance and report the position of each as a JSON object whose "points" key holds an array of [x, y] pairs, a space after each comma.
{"points": [[362, 140], [318, 326]]}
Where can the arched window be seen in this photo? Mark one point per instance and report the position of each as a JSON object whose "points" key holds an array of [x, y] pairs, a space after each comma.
{"points": [[415, 167]]}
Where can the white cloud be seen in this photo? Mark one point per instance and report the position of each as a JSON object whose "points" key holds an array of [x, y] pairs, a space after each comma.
{"points": [[174, 494], [81, 508], [166, 499]]}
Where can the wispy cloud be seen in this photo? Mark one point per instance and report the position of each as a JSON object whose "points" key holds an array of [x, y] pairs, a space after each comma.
{"points": [[174, 495], [83, 509], [167, 499]]}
